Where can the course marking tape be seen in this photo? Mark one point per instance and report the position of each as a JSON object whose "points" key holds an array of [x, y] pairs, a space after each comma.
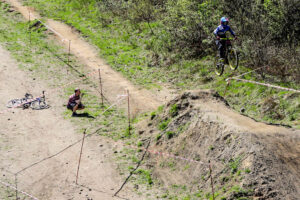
{"points": [[228, 79], [12, 187], [266, 84], [259, 83], [54, 31]]}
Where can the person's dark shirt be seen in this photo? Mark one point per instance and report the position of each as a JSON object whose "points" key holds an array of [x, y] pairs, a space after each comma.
{"points": [[73, 98]]}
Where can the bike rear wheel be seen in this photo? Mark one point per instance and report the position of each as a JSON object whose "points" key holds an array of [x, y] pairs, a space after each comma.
{"points": [[233, 59], [39, 105], [219, 64]]}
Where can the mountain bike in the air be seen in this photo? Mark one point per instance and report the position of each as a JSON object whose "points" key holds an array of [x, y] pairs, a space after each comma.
{"points": [[231, 58]]}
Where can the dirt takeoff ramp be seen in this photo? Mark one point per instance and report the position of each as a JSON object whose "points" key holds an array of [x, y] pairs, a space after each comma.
{"points": [[250, 160]]}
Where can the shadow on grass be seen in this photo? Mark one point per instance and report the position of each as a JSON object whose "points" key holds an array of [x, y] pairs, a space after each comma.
{"points": [[84, 115], [64, 61]]}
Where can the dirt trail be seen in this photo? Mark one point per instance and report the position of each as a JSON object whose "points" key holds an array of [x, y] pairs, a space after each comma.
{"points": [[27, 136], [113, 82], [283, 142]]}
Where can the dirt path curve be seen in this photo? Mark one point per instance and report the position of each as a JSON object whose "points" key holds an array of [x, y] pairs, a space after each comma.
{"points": [[114, 83], [281, 142], [27, 136]]}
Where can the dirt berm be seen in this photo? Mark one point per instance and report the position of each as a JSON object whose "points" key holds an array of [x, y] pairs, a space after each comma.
{"points": [[250, 160]]}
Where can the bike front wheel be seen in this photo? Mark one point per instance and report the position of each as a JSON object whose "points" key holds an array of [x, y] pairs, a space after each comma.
{"points": [[14, 103], [233, 59]]}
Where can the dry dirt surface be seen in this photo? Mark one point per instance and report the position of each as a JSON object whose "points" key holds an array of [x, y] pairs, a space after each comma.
{"points": [[28, 136], [263, 160], [114, 83]]}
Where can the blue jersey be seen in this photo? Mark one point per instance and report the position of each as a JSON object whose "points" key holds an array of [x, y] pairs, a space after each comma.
{"points": [[222, 29]]}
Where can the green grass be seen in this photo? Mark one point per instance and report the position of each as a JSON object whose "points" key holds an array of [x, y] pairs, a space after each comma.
{"points": [[158, 136], [145, 176], [234, 164], [164, 124], [174, 109], [170, 134]]}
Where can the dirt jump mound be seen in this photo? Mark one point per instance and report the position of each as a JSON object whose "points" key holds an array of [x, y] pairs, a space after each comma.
{"points": [[248, 159]]}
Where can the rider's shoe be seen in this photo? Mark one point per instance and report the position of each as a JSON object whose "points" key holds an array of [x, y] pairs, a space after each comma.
{"points": [[74, 114]]}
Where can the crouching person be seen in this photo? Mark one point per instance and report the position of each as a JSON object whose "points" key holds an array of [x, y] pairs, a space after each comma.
{"points": [[75, 102]]}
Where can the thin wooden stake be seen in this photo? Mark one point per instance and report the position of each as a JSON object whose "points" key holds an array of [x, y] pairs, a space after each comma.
{"points": [[80, 155], [29, 29], [211, 181], [101, 91], [16, 187], [227, 85], [129, 127], [69, 52], [132, 172]]}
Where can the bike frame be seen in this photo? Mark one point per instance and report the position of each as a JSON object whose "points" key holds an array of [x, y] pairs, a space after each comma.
{"points": [[227, 47]]}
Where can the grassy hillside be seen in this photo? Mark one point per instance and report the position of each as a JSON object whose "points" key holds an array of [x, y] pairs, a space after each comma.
{"points": [[158, 42]]}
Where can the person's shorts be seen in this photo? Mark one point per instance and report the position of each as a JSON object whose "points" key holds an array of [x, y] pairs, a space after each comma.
{"points": [[72, 105]]}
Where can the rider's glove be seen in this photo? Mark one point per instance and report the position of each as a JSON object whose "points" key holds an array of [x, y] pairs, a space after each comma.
{"points": [[218, 37]]}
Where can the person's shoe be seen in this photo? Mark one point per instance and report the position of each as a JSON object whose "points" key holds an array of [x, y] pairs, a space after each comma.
{"points": [[74, 114]]}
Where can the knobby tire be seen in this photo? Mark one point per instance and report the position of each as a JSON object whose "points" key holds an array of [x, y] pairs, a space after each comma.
{"points": [[233, 59]]}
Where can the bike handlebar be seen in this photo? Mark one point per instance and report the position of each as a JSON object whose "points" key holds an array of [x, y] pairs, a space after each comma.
{"points": [[226, 38]]}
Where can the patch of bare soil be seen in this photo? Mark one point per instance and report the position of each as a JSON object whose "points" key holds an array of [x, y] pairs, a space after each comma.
{"points": [[28, 136], [249, 159]]}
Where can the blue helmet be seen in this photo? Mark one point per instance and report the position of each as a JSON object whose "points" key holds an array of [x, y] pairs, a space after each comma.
{"points": [[224, 21]]}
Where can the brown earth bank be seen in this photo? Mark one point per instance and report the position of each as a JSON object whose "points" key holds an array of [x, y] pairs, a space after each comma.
{"points": [[250, 160]]}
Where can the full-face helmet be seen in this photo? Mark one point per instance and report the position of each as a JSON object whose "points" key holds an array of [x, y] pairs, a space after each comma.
{"points": [[224, 21]]}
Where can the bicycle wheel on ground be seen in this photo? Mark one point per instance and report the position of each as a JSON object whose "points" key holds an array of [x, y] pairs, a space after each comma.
{"points": [[39, 105], [14, 103], [219, 65], [233, 59]]}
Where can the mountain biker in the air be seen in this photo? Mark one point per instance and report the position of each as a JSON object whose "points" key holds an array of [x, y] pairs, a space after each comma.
{"points": [[220, 32]]}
